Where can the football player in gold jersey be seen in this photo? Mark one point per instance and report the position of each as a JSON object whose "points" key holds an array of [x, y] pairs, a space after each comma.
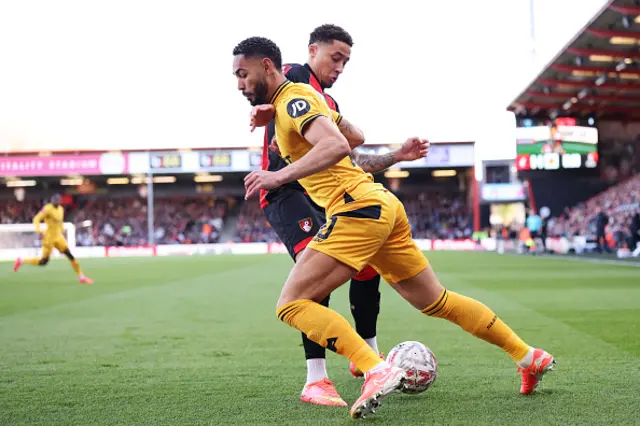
{"points": [[53, 237], [366, 224]]}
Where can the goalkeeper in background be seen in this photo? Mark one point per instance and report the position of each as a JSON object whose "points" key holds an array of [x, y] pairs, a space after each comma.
{"points": [[52, 237]]}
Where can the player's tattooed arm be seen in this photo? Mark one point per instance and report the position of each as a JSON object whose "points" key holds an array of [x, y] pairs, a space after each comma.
{"points": [[373, 163], [412, 149], [354, 135]]}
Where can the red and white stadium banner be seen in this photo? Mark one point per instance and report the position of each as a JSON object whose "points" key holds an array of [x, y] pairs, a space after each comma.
{"points": [[61, 165], [277, 248], [137, 251], [558, 245], [228, 248], [457, 245], [225, 248]]}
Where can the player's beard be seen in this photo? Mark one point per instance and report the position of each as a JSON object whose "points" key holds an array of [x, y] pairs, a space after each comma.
{"points": [[327, 85], [260, 91]]}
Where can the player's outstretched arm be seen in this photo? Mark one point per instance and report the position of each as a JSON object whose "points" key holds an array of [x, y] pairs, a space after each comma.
{"points": [[412, 149]]}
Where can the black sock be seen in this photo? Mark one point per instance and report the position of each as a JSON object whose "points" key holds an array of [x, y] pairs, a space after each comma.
{"points": [[365, 305]]}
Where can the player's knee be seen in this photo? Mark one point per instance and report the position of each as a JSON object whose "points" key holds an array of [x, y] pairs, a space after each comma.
{"points": [[67, 253], [282, 301], [43, 261], [290, 293], [286, 310]]}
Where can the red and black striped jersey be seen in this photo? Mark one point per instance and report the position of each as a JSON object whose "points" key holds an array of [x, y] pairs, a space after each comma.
{"points": [[270, 160]]}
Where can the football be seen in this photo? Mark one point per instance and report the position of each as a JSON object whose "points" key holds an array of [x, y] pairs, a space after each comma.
{"points": [[418, 362]]}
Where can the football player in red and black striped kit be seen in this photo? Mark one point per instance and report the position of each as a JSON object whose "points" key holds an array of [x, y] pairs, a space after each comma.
{"points": [[296, 219]]}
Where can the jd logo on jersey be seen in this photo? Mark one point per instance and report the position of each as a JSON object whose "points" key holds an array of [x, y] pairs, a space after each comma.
{"points": [[306, 224], [298, 107]]}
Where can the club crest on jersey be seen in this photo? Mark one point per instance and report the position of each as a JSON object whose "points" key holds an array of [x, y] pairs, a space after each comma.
{"points": [[298, 107], [306, 224]]}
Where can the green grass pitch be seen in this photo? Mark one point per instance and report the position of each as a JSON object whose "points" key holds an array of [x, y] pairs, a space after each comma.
{"points": [[195, 341]]}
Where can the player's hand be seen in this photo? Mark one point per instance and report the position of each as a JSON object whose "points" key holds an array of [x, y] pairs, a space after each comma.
{"points": [[261, 115], [413, 149], [41, 236], [273, 146], [260, 179]]}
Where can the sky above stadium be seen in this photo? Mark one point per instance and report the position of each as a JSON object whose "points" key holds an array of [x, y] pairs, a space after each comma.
{"points": [[135, 74]]}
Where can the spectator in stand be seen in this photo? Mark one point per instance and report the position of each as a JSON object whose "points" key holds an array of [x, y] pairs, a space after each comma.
{"points": [[534, 225], [544, 233], [601, 222], [634, 231]]}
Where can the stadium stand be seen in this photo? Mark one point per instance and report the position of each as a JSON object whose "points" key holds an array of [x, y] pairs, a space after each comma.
{"points": [[178, 220], [616, 207], [12, 212], [252, 226], [438, 215], [560, 194], [122, 221]]}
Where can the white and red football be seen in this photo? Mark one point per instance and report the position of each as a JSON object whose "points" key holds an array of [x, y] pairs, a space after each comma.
{"points": [[418, 361]]}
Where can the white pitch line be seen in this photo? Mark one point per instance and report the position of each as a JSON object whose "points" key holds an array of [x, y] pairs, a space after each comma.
{"points": [[584, 259], [600, 261]]}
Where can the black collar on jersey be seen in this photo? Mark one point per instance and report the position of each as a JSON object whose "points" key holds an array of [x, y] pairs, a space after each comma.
{"points": [[279, 90], [307, 66]]}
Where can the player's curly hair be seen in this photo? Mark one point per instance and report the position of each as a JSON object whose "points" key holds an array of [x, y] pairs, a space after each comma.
{"points": [[329, 32], [259, 47]]}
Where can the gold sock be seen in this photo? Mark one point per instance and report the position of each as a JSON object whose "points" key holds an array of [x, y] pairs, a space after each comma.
{"points": [[329, 329], [479, 320], [76, 266], [32, 261]]}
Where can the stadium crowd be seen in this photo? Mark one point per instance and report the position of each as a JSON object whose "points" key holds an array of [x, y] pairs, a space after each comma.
{"points": [[123, 221], [252, 227], [438, 215], [18, 212], [431, 215], [190, 220], [613, 216]]}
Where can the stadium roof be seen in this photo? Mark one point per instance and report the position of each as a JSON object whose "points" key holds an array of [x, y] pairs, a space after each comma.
{"points": [[596, 74]]}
